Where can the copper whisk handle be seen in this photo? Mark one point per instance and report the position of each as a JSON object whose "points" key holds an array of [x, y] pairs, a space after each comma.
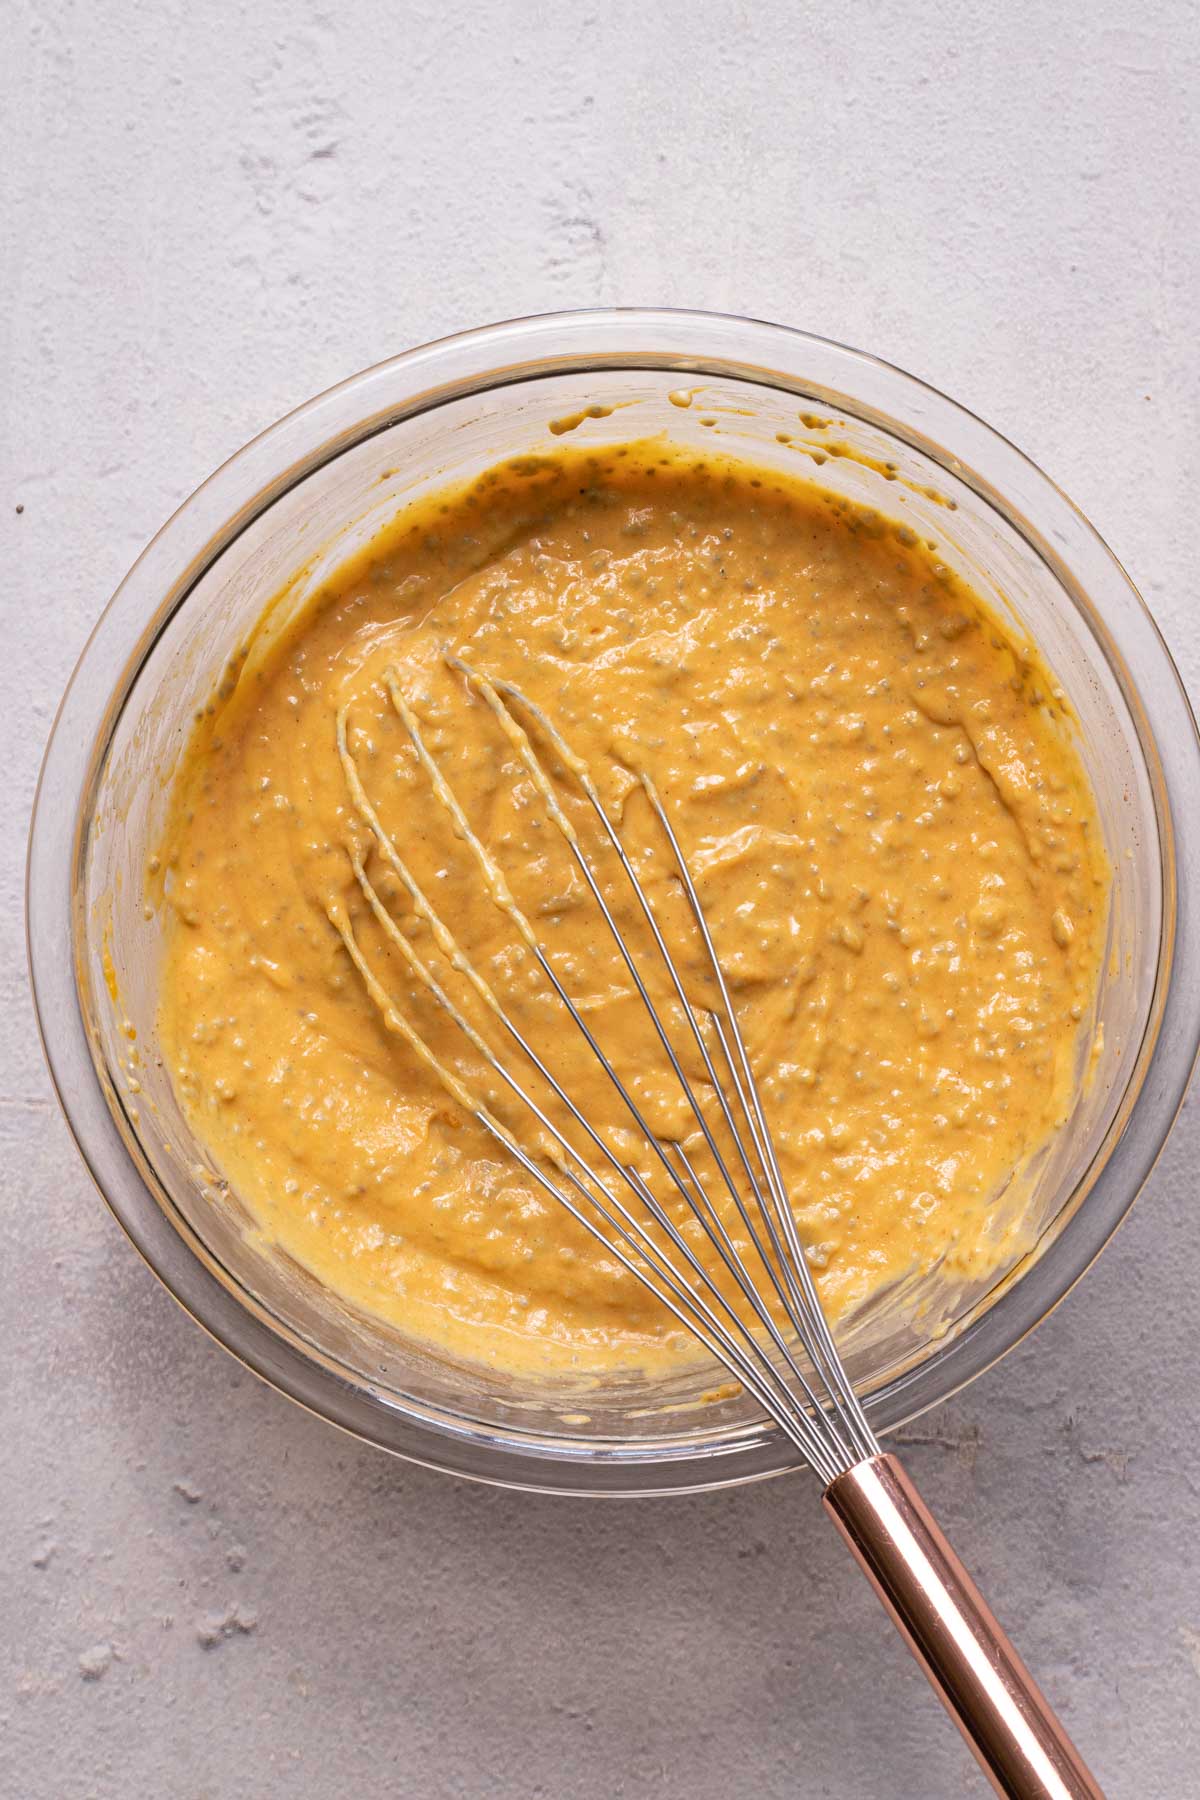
{"points": [[980, 1679]]}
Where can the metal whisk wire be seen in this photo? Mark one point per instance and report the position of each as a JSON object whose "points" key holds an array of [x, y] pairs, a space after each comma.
{"points": [[828, 1427], [800, 1381]]}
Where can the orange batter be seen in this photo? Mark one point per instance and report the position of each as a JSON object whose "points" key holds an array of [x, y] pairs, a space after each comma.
{"points": [[893, 839]]}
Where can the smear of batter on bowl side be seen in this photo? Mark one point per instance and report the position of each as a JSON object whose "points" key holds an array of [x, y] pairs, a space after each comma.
{"points": [[893, 837]]}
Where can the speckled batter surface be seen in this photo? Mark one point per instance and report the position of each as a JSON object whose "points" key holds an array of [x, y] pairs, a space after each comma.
{"points": [[892, 839]]}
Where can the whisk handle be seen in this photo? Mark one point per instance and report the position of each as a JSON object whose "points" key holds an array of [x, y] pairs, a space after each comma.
{"points": [[976, 1673]]}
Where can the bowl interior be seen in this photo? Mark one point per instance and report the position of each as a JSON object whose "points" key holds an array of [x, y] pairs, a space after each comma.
{"points": [[321, 516]]}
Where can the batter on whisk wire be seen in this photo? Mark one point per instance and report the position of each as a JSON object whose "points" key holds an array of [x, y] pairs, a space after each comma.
{"points": [[896, 848]]}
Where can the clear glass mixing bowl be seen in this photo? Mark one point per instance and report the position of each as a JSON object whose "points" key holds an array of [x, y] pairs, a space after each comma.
{"points": [[308, 491]]}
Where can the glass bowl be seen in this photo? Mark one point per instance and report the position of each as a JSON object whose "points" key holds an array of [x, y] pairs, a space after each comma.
{"points": [[305, 494]]}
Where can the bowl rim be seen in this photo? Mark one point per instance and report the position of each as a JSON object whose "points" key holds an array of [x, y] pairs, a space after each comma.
{"points": [[418, 380]]}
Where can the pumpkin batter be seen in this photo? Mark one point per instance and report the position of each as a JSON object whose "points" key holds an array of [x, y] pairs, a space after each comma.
{"points": [[896, 847]]}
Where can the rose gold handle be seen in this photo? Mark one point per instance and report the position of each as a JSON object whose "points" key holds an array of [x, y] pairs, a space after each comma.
{"points": [[980, 1679]]}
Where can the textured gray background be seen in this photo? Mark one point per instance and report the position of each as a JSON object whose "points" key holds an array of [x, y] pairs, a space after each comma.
{"points": [[211, 212]]}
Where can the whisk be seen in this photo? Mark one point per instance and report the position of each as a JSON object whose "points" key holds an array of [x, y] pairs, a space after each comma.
{"points": [[752, 1303]]}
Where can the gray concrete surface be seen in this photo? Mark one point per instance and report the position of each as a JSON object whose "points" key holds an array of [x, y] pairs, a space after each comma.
{"points": [[210, 213]]}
